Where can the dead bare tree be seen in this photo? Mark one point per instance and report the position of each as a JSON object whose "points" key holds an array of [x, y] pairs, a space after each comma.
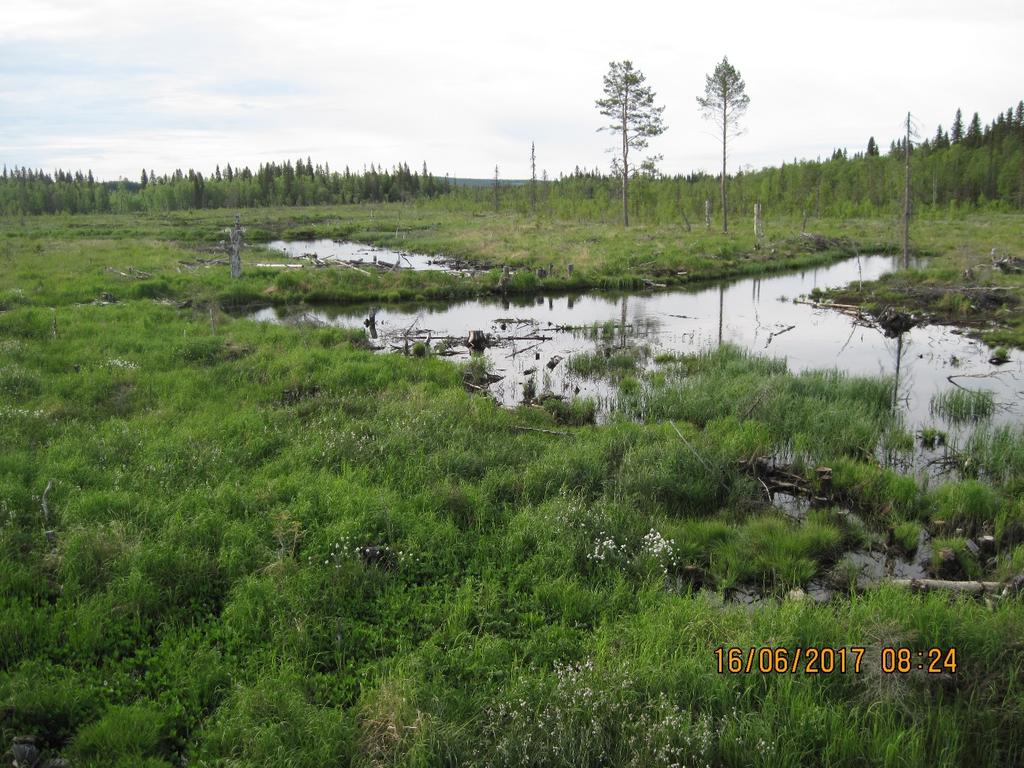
{"points": [[533, 177], [906, 198], [236, 248], [496, 188]]}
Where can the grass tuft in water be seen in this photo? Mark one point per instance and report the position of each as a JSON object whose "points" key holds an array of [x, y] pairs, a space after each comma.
{"points": [[962, 406]]}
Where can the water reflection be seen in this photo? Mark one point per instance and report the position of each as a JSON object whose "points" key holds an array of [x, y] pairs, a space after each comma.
{"points": [[357, 253], [755, 313]]}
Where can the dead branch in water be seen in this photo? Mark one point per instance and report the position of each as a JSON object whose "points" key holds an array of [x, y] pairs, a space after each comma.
{"points": [[846, 309], [525, 349], [773, 334]]}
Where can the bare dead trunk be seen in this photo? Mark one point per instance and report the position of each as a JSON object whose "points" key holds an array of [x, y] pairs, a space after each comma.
{"points": [[236, 249], [725, 210], [625, 165], [906, 199]]}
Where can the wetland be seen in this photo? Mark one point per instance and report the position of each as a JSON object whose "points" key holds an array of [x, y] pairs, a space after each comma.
{"points": [[241, 526]]}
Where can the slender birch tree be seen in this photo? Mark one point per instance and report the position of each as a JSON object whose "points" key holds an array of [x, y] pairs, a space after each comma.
{"points": [[629, 104], [724, 102]]}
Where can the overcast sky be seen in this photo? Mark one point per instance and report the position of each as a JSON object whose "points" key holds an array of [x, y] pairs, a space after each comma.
{"points": [[116, 86]]}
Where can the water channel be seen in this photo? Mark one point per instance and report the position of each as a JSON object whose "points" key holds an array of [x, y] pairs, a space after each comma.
{"points": [[535, 337]]}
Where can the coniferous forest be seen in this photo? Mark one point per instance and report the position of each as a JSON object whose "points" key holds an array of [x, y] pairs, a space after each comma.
{"points": [[970, 165]]}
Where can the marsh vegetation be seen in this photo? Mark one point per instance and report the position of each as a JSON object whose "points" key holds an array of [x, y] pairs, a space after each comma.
{"points": [[230, 542]]}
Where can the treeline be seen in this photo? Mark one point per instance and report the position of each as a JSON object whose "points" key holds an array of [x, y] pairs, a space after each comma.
{"points": [[27, 191], [971, 165]]}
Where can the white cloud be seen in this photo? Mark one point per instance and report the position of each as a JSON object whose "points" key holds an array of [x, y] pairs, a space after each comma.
{"points": [[465, 85]]}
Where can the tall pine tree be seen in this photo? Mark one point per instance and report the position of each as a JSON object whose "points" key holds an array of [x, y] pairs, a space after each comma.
{"points": [[956, 133]]}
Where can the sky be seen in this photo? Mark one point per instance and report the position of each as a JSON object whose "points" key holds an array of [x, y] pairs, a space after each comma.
{"points": [[117, 86]]}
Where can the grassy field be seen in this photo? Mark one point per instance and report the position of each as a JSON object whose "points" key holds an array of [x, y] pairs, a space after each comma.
{"points": [[266, 545], [602, 255]]}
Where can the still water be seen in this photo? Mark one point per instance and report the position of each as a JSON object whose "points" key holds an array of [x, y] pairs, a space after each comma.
{"points": [[758, 314], [337, 250]]}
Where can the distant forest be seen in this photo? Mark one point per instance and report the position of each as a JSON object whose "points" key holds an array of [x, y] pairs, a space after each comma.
{"points": [[971, 165]]}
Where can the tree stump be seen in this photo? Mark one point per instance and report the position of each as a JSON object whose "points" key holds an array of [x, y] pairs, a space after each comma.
{"points": [[825, 480], [477, 341]]}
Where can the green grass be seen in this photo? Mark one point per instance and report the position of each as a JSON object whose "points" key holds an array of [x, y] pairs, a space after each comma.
{"points": [[605, 256], [608, 362], [959, 285], [907, 534], [218, 485], [968, 504], [959, 406]]}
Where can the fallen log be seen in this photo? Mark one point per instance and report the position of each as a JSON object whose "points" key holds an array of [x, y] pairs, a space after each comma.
{"points": [[518, 428], [352, 266], [525, 349], [968, 587], [849, 309], [132, 272], [776, 479]]}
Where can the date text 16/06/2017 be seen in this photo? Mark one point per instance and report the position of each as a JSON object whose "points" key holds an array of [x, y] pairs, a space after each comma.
{"points": [[841, 660]]}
